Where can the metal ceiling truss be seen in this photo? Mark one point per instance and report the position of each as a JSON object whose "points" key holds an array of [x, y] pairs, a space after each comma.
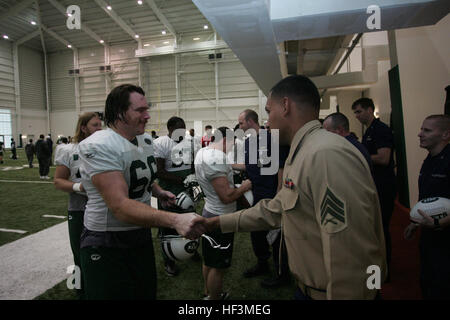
{"points": [[114, 16], [84, 27], [16, 9]]}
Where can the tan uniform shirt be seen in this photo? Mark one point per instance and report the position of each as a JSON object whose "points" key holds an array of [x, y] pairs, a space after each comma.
{"points": [[330, 215]]}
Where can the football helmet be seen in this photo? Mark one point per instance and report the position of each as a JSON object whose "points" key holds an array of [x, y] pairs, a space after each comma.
{"points": [[178, 248], [193, 188], [184, 202]]}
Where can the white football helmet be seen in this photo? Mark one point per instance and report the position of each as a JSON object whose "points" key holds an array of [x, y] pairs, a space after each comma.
{"points": [[190, 179], [178, 248], [185, 202]]}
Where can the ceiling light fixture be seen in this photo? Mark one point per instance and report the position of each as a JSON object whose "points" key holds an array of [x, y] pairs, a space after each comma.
{"points": [[109, 7], [205, 27], [139, 2], [146, 45], [5, 36], [163, 32], [69, 46], [195, 39], [166, 42], [33, 23], [136, 36], [101, 41]]}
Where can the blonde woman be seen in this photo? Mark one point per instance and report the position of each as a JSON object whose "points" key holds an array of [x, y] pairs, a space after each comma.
{"points": [[68, 179]]}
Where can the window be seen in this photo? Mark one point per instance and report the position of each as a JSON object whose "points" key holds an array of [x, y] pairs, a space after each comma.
{"points": [[5, 127]]}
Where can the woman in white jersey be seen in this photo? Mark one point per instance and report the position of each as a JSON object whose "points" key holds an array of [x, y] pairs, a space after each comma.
{"points": [[68, 179]]}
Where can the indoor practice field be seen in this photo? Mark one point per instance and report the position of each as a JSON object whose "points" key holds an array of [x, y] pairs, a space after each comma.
{"points": [[25, 199]]}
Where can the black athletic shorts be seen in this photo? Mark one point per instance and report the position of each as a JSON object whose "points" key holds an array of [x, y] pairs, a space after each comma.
{"points": [[219, 258]]}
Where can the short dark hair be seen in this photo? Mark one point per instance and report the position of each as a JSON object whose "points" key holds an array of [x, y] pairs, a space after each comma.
{"points": [[442, 121], [31, 140], [208, 126], [175, 123], [298, 88], [365, 103], [251, 114], [338, 120], [118, 101], [41, 136], [223, 133]]}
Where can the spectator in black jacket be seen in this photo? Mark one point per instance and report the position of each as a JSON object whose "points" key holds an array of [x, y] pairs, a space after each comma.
{"points": [[44, 157], [13, 149], [1, 152], [50, 145], [30, 151]]}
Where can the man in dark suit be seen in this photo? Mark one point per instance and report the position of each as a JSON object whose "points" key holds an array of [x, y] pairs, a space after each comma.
{"points": [[44, 156]]}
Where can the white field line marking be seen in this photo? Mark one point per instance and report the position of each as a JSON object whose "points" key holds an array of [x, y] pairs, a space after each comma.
{"points": [[20, 181], [12, 230], [52, 216], [11, 168]]}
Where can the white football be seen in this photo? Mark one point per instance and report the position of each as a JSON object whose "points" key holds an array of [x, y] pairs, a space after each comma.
{"points": [[436, 207], [248, 195]]}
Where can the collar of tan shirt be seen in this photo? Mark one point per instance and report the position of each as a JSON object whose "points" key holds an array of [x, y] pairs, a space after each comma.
{"points": [[298, 138]]}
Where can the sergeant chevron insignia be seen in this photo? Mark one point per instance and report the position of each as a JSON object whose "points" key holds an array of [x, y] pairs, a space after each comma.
{"points": [[333, 217]]}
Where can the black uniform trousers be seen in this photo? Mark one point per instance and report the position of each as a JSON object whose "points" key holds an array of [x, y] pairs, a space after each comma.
{"points": [[386, 195], [44, 166], [434, 249]]}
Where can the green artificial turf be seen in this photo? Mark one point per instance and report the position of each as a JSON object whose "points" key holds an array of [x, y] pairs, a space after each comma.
{"points": [[23, 204], [188, 285]]}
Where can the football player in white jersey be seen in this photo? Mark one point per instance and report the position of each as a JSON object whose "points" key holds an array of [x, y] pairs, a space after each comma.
{"points": [[174, 160], [215, 176], [68, 179], [118, 172]]}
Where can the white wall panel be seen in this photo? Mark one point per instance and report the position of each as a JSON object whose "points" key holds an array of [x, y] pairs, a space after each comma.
{"points": [[159, 79], [7, 96], [234, 80], [63, 123], [125, 66], [91, 57], [92, 80], [32, 79], [62, 86], [197, 77], [34, 123]]}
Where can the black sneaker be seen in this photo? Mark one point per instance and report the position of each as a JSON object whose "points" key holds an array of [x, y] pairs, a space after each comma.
{"points": [[223, 296], [256, 270], [275, 282], [171, 269]]}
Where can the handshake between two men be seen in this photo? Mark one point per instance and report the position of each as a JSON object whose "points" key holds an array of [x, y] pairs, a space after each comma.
{"points": [[192, 225]]}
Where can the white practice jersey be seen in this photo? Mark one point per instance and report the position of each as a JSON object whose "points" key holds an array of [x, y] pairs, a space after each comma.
{"points": [[177, 156], [106, 150], [210, 164], [68, 155]]}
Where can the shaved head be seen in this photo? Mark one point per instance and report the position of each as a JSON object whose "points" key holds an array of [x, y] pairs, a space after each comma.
{"points": [[442, 121]]}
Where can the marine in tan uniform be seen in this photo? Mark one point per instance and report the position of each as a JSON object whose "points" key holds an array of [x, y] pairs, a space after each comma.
{"points": [[328, 206]]}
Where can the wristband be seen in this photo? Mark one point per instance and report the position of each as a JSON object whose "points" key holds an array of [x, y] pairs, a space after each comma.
{"points": [[76, 187]]}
